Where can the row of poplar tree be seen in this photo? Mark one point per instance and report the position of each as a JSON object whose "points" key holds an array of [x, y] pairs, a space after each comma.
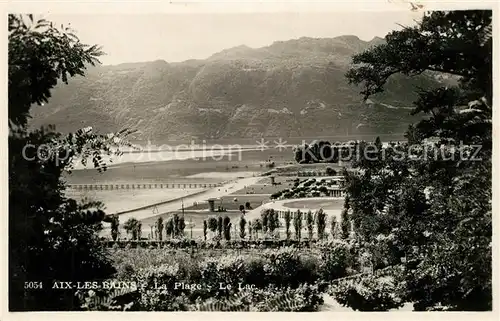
{"points": [[174, 227], [268, 224]]}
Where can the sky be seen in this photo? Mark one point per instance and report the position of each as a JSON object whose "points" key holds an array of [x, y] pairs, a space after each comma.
{"points": [[179, 37]]}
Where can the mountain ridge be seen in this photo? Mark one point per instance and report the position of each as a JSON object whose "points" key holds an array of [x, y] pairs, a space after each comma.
{"points": [[289, 88]]}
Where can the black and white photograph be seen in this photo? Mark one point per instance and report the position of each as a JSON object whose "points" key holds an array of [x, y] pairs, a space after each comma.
{"points": [[277, 161]]}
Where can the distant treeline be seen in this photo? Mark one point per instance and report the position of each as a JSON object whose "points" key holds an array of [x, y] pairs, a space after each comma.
{"points": [[322, 151]]}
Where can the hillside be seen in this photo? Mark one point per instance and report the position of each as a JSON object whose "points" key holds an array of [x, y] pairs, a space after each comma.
{"points": [[290, 88]]}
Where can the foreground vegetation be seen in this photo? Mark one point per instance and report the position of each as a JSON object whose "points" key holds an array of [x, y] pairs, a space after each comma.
{"points": [[292, 279]]}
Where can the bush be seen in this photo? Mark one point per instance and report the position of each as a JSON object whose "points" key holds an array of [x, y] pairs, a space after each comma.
{"points": [[336, 258], [157, 291], [330, 171], [229, 269], [286, 268], [369, 294]]}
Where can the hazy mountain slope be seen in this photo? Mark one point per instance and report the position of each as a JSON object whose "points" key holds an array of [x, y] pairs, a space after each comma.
{"points": [[290, 88]]}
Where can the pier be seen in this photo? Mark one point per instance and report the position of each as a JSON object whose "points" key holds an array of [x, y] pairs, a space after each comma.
{"points": [[103, 187]]}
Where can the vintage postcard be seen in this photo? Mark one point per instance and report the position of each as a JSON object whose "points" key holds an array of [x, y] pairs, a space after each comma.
{"points": [[289, 160]]}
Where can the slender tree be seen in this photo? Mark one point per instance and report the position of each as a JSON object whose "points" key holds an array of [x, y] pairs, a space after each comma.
{"points": [[265, 220], [310, 224], [159, 228], [115, 224], [175, 232], [333, 227], [227, 228], [138, 231], [321, 223], [288, 218], [181, 226], [271, 221], [205, 230], [212, 225], [220, 226], [243, 224], [257, 226], [297, 224], [249, 230], [344, 225], [169, 228], [131, 227]]}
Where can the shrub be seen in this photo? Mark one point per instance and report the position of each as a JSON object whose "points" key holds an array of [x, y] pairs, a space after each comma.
{"points": [[277, 194], [286, 268], [330, 171], [369, 294], [157, 291], [336, 258], [229, 269]]}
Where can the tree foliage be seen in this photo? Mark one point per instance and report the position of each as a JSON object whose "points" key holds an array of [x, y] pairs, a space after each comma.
{"points": [[310, 224], [169, 228], [243, 224], [265, 220], [333, 227], [432, 194], [40, 55], [288, 219], [115, 225], [132, 227], [297, 224], [227, 228], [51, 237], [257, 226], [159, 228], [321, 223], [212, 224]]}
